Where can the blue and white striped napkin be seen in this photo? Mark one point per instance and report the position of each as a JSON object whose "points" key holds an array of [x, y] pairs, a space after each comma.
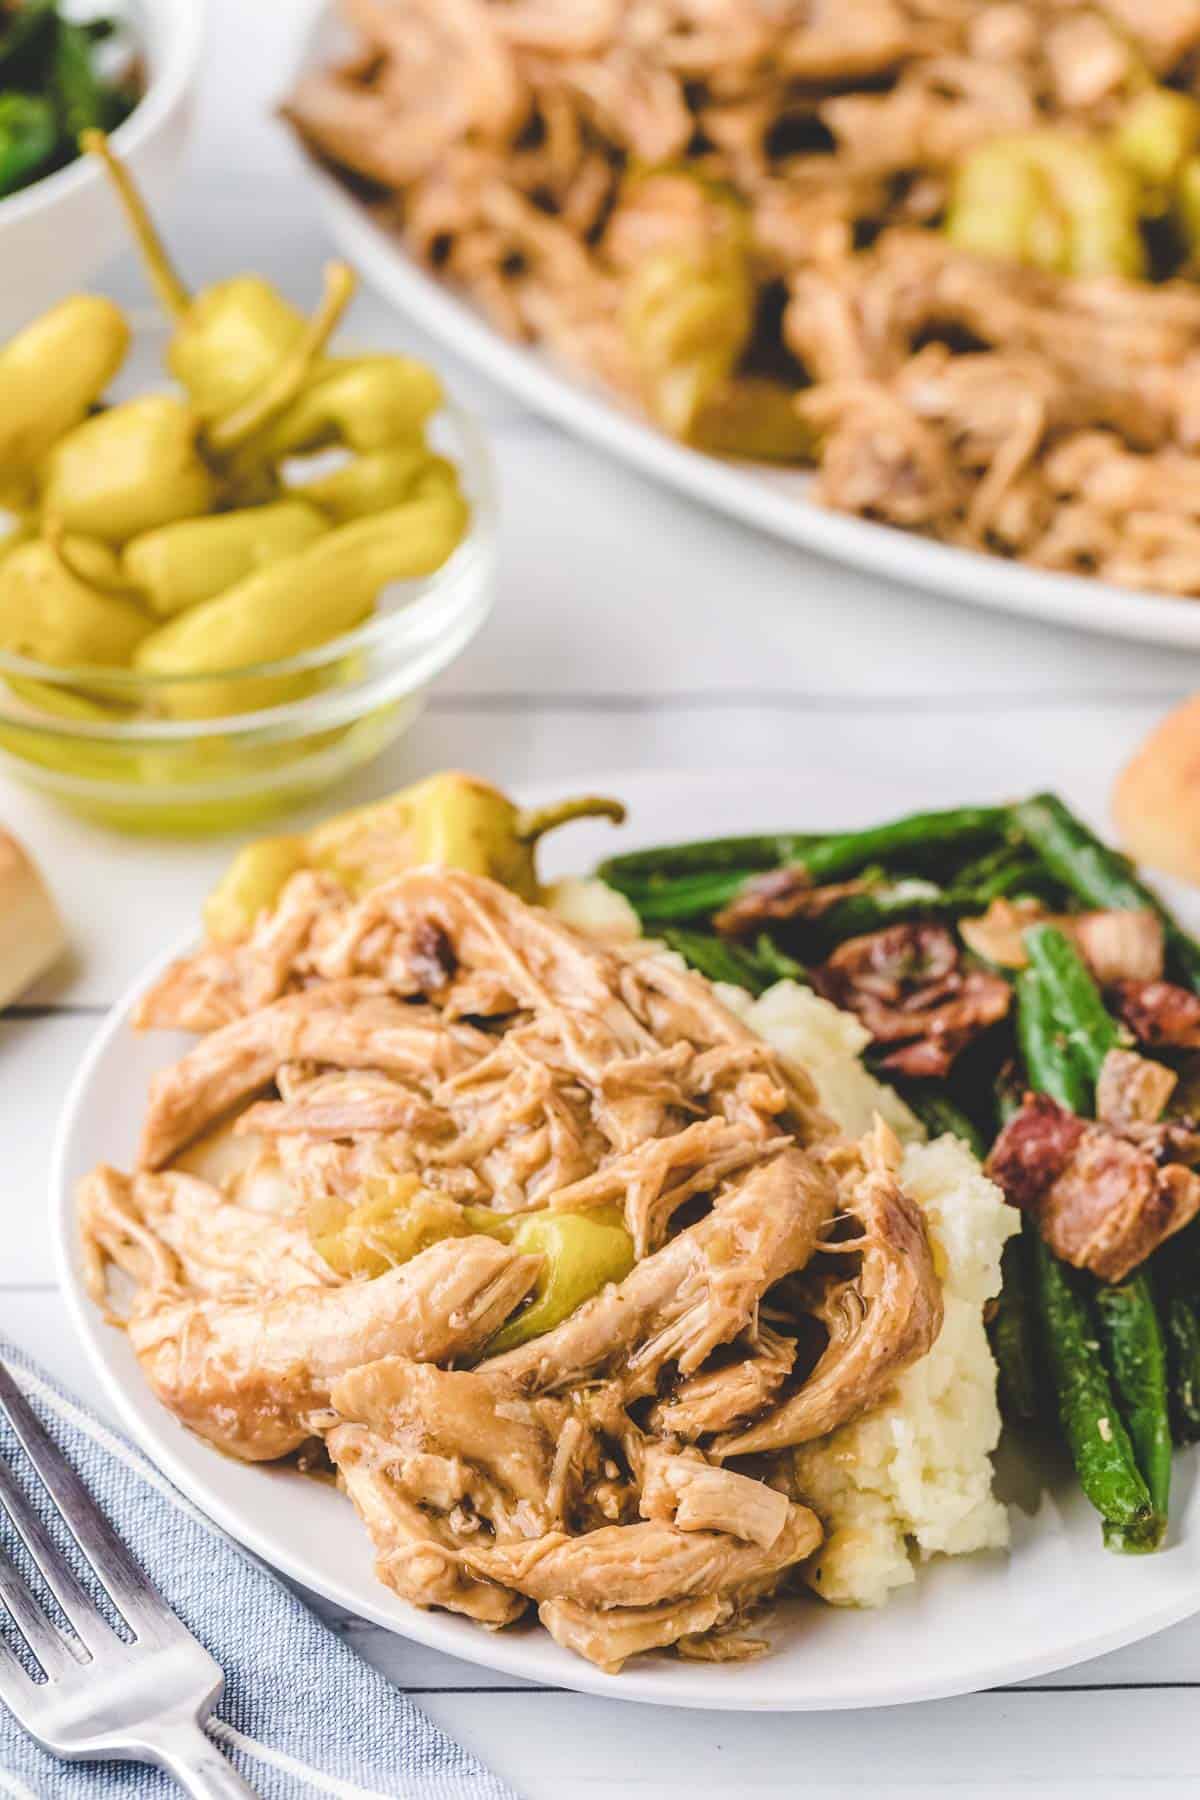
{"points": [[301, 1715]]}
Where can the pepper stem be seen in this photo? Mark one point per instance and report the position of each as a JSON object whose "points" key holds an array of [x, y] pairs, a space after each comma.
{"points": [[285, 382], [172, 292], [532, 824]]}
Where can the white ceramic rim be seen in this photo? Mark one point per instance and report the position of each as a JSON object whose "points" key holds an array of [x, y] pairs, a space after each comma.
{"points": [[168, 84], [757, 497], [511, 1654]]}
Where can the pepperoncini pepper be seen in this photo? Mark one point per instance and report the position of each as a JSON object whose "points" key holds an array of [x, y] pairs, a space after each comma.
{"points": [[1158, 133], [238, 345], [581, 1254], [395, 1222], [366, 403], [297, 603], [1048, 199], [52, 372], [229, 340], [128, 470], [370, 483], [50, 615], [1187, 204], [687, 318], [185, 563], [451, 820], [682, 243], [753, 418]]}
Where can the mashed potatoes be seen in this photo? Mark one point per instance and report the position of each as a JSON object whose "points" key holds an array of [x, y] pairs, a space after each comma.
{"points": [[914, 1477]]}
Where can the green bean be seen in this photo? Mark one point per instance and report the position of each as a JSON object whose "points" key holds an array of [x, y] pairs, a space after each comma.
{"points": [[776, 963], [1012, 1331], [822, 856], [1049, 1058], [1134, 1351], [1176, 1269], [880, 907], [1099, 1443], [940, 1115], [919, 833], [1182, 1332], [688, 897], [1100, 876], [705, 856], [1073, 997], [719, 960], [980, 868], [28, 135]]}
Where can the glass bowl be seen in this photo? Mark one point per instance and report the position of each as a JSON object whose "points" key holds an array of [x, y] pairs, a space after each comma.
{"points": [[109, 742]]}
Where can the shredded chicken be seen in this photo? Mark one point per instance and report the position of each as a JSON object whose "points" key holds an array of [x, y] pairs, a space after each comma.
{"points": [[458, 1063], [531, 155], [253, 1376]]}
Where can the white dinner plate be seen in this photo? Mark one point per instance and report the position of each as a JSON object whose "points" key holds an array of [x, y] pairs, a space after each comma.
{"points": [[1055, 1599], [776, 501]]}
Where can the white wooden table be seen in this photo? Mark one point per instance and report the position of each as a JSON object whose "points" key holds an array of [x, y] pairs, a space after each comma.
{"points": [[631, 630]]}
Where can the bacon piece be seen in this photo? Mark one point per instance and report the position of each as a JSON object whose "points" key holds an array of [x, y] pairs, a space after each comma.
{"points": [[909, 987], [1160, 1014], [778, 896], [1103, 1200], [1116, 946], [1119, 946], [1132, 1092], [1033, 1149]]}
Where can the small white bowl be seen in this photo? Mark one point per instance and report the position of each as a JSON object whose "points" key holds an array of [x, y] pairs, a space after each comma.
{"points": [[56, 233]]}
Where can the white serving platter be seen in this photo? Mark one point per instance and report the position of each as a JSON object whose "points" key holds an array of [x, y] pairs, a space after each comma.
{"points": [[775, 501]]}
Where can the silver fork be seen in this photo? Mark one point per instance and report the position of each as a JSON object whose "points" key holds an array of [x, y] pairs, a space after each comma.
{"points": [[141, 1701]]}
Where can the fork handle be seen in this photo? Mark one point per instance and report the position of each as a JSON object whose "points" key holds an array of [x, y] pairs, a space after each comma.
{"points": [[185, 1750]]}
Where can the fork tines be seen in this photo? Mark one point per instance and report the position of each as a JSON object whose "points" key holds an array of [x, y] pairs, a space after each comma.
{"points": [[114, 1568]]}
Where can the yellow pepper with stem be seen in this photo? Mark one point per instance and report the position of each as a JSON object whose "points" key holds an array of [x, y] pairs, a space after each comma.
{"points": [[364, 402], [451, 820], [229, 340]]}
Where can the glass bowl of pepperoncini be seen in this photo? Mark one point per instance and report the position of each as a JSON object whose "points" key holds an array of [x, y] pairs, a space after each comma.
{"points": [[219, 597]]}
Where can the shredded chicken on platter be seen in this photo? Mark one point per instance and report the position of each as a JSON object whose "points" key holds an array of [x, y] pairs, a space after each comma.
{"points": [[437, 1089], [586, 171]]}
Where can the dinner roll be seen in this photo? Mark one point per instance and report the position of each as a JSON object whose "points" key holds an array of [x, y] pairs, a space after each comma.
{"points": [[1156, 798], [31, 933]]}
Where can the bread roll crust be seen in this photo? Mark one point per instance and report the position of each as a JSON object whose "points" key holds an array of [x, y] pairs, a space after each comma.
{"points": [[1156, 797], [31, 932]]}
